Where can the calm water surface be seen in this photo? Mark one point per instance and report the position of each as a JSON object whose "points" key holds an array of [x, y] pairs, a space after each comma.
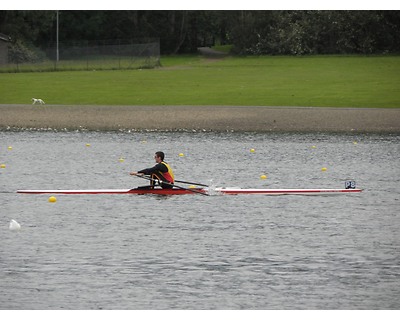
{"points": [[193, 251]]}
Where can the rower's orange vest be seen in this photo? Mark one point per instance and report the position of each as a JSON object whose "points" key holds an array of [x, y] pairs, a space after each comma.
{"points": [[169, 176]]}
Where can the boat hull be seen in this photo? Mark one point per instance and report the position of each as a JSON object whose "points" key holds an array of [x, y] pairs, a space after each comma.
{"points": [[286, 191], [116, 191], [176, 191]]}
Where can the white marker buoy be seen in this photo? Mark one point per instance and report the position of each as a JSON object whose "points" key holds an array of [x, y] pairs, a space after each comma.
{"points": [[14, 225]]}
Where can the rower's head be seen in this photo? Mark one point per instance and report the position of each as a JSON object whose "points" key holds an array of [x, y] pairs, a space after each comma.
{"points": [[159, 156]]}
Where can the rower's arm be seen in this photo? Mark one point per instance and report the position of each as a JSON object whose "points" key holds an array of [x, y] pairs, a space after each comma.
{"points": [[158, 167]]}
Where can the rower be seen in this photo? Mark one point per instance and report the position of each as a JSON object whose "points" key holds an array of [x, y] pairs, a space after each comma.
{"points": [[161, 172]]}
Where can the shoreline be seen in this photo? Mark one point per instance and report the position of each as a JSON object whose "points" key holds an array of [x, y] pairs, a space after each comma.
{"points": [[199, 118]]}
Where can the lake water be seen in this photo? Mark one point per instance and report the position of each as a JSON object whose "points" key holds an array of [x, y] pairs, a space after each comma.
{"points": [[192, 251]]}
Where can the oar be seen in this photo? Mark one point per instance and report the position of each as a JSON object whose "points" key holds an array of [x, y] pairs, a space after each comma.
{"points": [[195, 183], [174, 185]]}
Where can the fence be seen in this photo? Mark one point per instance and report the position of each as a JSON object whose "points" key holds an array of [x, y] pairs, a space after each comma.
{"points": [[87, 55]]}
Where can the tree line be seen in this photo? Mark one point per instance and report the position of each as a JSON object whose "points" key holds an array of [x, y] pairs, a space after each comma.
{"points": [[249, 32]]}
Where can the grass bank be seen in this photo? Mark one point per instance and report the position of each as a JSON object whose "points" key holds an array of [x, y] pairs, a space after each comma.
{"points": [[337, 81]]}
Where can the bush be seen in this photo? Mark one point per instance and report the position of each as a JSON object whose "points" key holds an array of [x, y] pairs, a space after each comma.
{"points": [[21, 53]]}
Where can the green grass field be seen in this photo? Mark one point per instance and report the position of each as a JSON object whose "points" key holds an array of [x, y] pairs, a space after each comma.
{"points": [[335, 81]]}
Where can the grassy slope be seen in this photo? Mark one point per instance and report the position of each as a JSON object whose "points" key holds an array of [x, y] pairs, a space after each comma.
{"points": [[338, 81]]}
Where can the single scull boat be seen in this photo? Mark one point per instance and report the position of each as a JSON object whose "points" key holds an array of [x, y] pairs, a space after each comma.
{"points": [[176, 191]]}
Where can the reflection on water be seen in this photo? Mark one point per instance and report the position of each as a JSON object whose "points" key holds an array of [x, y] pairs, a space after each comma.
{"points": [[196, 252]]}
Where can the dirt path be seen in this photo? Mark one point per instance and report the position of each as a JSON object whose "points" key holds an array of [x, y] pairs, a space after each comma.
{"points": [[208, 118]]}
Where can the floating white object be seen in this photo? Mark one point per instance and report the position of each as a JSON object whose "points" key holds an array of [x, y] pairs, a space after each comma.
{"points": [[14, 225]]}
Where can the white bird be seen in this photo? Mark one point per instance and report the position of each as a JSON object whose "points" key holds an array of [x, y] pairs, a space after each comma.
{"points": [[14, 225], [39, 101]]}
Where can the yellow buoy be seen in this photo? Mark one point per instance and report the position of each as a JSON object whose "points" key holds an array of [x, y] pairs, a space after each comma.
{"points": [[87, 144], [2, 165], [181, 155], [121, 159], [355, 142], [252, 150], [263, 177], [324, 169], [313, 147], [52, 199], [9, 148]]}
